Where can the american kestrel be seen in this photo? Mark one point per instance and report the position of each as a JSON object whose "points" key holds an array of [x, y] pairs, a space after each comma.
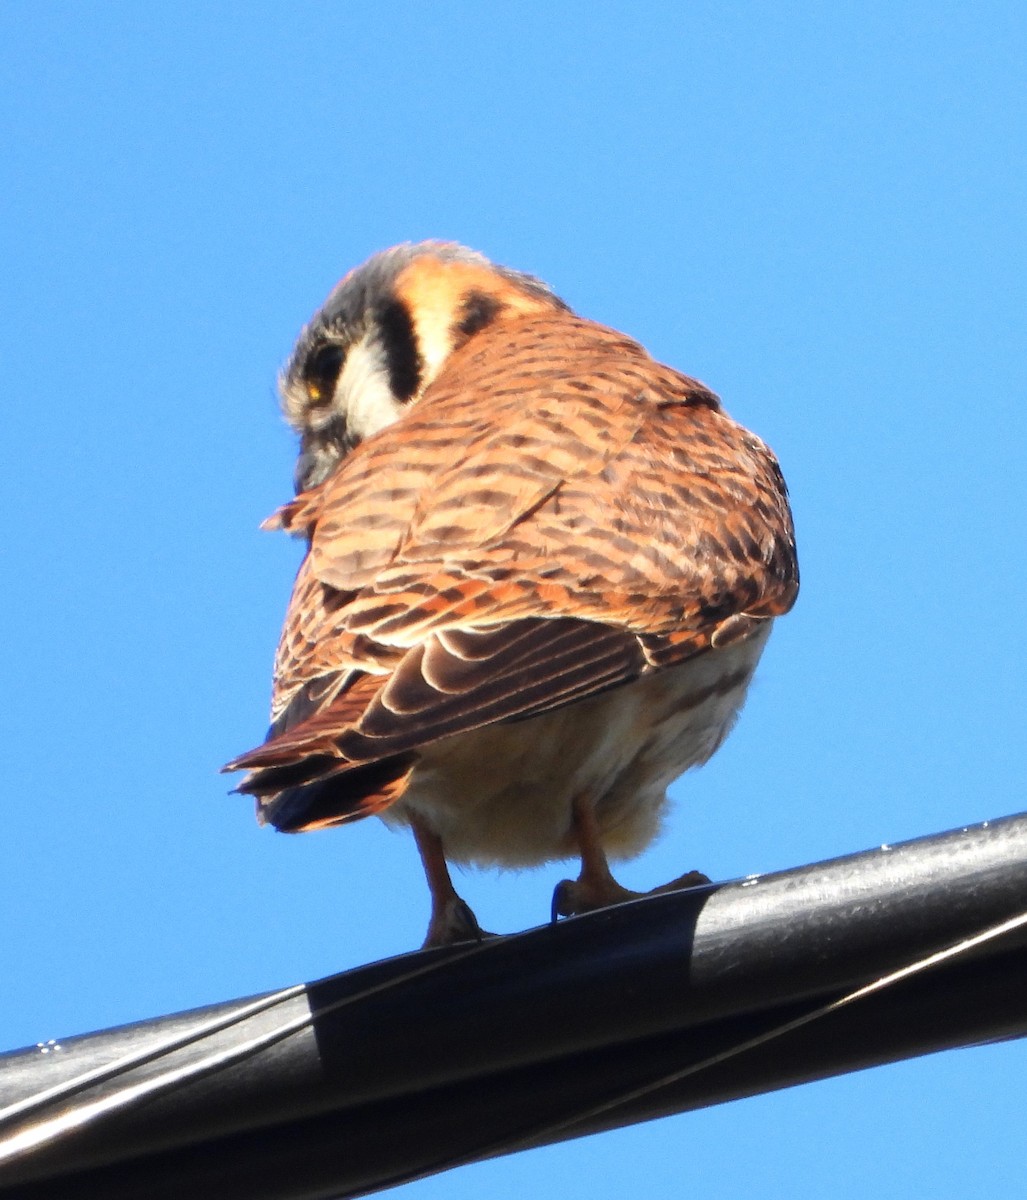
{"points": [[541, 568]]}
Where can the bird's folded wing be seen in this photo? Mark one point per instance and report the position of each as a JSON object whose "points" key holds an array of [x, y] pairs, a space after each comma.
{"points": [[454, 681]]}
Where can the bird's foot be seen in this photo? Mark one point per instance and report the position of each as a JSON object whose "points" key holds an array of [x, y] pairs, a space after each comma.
{"points": [[575, 896], [690, 879], [453, 922], [572, 897]]}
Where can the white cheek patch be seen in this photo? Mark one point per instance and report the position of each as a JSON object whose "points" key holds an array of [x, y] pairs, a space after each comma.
{"points": [[363, 395]]}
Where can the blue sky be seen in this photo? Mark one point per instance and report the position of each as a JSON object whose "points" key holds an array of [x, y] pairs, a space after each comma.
{"points": [[817, 209]]}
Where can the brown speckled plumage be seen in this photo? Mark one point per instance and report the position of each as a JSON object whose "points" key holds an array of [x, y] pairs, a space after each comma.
{"points": [[554, 517]]}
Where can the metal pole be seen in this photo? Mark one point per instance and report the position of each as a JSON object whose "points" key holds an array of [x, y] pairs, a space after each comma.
{"points": [[412, 1065]]}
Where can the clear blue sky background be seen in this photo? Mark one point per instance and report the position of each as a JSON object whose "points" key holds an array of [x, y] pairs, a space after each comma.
{"points": [[819, 209]]}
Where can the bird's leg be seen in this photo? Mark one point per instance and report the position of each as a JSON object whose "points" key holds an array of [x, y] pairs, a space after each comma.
{"points": [[596, 887], [451, 917]]}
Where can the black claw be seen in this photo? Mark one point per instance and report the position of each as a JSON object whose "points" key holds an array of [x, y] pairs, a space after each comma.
{"points": [[559, 906]]}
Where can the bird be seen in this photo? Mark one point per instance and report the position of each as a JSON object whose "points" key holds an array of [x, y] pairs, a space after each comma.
{"points": [[540, 570]]}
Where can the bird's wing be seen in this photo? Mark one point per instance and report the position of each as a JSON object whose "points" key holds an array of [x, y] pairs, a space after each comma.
{"points": [[556, 516]]}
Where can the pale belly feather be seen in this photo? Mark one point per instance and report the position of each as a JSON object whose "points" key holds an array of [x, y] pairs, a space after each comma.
{"points": [[501, 796]]}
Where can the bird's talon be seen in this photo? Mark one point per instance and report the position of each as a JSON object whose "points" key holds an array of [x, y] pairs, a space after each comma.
{"points": [[563, 902], [690, 879], [573, 897], [454, 923]]}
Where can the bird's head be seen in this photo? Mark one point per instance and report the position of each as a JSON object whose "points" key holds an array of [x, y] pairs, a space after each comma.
{"points": [[382, 337]]}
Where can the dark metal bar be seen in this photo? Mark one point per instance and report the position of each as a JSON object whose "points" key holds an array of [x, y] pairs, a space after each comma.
{"points": [[409, 1066]]}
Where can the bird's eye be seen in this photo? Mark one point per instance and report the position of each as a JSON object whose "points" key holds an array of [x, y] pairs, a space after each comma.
{"points": [[322, 373]]}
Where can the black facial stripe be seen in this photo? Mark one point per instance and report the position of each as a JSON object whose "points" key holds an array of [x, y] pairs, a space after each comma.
{"points": [[321, 372], [401, 353], [478, 310]]}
